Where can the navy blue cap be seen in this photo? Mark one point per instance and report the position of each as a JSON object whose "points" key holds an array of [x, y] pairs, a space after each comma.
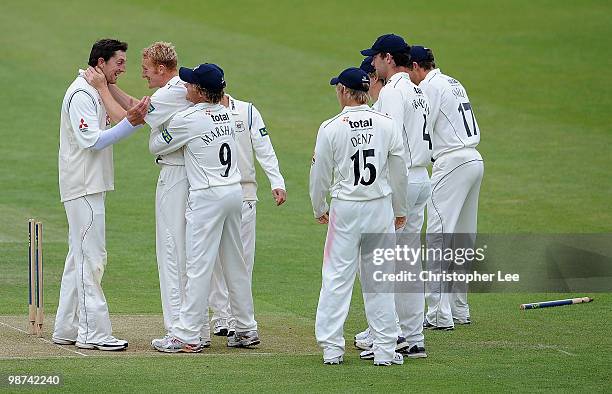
{"points": [[389, 43], [421, 54], [366, 65], [353, 78], [208, 76]]}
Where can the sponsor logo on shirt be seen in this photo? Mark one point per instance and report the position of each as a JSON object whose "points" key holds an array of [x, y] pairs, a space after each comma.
{"points": [[220, 117], [166, 136], [83, 126], [151, 108], [239, 126], [358, 124], [263, 132]]}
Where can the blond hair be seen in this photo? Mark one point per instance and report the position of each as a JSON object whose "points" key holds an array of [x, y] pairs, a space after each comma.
{"points": [[359, 96], [161, 53]]}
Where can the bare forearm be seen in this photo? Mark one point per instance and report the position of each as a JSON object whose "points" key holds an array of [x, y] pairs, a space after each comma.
{"points": [[113, 109], [125, 100]]}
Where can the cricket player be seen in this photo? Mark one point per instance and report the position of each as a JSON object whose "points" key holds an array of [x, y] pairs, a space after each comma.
{"points": [[159, 68], [206, 135], [408, 106], [85, 175], [251, 138], [456, 177], [376, 83], [359, 160]]}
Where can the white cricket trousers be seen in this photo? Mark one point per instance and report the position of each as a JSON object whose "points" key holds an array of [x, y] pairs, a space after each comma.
{"points": [[213, 227], [348, 220], [170, 205], [82, 314], [410, 300], [219, 295], [453, 208]]}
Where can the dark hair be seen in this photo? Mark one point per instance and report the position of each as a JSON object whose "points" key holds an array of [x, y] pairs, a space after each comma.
{"points": [[105, 49], [426, 64], [401, 58], [212, 96]]}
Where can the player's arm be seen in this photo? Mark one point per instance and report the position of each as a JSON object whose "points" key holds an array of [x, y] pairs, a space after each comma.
{"points": [[264, 152], [97, 79], [391, 103], [398, 177], [83, 113], [125, 100], [434, 95], [173, 138], [321, 176]]}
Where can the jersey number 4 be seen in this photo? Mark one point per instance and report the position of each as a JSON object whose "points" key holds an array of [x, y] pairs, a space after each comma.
{"points": [[366, 166], [225, 158], [463, 108]]}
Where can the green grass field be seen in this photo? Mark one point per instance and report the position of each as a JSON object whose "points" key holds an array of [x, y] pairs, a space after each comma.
{"points": [[537, 74]]}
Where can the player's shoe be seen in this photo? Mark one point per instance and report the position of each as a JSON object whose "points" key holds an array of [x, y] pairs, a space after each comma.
{"points": [[111, 344], [221, 328], [363, 334], [175, 345], [61, 341], [243, 339], [231, 327], [414, 351], [401, 344], [428, 326], [398, 359], [462, 322], [333, 361], [205, 342], [367, 355], [158, 341], [365, 343]]}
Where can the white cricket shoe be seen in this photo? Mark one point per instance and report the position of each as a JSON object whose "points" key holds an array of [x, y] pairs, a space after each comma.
{"points": [[221, 328], [243, 339], [175, 345], [398, 359], [333, 361], [363, 334], [61, 341], [111, 344], [365, 343], [158, 341]]}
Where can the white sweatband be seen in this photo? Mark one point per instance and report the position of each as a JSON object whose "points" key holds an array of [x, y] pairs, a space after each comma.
{"points": [[115, 134]]}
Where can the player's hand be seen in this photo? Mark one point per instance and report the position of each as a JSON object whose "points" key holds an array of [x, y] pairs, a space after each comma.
{"points": [[400, 222], [323, 219], [280, 196], [95, 77], [137, 113]]}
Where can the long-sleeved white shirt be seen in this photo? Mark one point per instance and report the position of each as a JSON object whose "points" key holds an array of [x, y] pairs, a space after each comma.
{"points": [[452, 116], [359, 156], [252, 138]]}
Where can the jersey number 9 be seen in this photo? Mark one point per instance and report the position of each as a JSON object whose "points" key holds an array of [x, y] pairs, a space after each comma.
{"points": [[225, 158]]}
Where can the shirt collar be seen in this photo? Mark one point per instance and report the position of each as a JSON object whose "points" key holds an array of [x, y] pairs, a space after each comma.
{"points": [[208, 106], [355, 108], [397, 76], [232, 104], [432, 74]]}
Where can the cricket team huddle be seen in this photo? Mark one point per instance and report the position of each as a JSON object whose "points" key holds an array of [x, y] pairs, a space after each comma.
{"points": [[371, 160]]}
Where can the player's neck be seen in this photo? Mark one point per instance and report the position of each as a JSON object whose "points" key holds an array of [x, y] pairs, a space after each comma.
{"points": [[225, 101], [168, 76]]}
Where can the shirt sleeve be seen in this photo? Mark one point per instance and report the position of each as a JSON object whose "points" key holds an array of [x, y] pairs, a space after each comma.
{"points": [[391, 102], [83, 113], [164, 104], [174, 137], [398, 174], [264, 151], [434, 95], [321, 174]]}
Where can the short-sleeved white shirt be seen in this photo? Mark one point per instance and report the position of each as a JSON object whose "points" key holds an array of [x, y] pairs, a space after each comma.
{"points": [[165, 103], [82, 170]]}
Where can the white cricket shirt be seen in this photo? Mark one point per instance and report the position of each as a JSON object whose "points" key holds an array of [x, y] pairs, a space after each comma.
{"points": [[408, 106], [452, 117], [83, 171], [351, 157], [252, 136], [165, 102], [206, 131]]}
